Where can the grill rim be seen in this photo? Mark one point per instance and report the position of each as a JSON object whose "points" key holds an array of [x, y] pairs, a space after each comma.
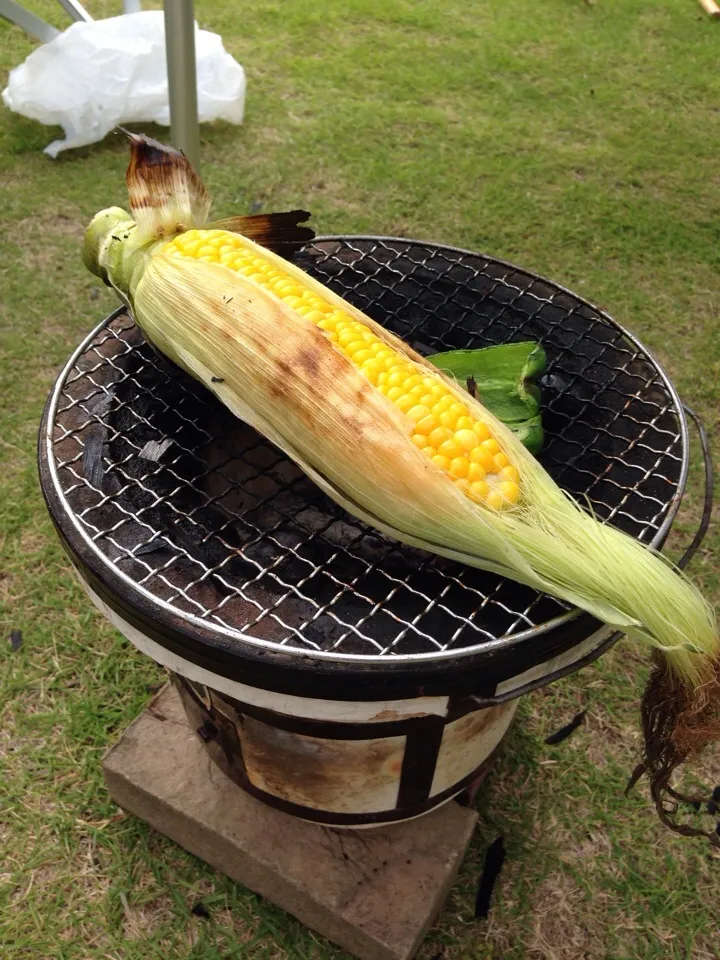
{"points": [[207, 631]]}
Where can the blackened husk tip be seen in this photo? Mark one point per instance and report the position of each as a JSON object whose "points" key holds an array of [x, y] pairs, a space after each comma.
{"points": [[166, 194]]}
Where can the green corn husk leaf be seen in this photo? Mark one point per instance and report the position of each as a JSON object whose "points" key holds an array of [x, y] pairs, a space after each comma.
{"points": [[503, 378], [283, 377]]}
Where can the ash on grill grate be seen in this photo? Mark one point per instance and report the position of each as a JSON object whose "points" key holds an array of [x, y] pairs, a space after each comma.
{"points": [[205, 515]]}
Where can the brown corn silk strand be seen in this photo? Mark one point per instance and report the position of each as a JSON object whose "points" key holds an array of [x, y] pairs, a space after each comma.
{"points": [[678, 723]]}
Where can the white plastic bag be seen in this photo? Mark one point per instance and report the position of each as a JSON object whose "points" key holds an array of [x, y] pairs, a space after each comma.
{"points": [[98, 74]]}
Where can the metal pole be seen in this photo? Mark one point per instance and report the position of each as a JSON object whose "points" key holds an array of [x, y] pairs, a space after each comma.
{"points": [[76, 10], [27, 21], [182, 77]]}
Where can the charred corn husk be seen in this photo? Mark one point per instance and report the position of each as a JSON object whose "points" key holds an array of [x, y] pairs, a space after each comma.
{"points": [[381, 430]]}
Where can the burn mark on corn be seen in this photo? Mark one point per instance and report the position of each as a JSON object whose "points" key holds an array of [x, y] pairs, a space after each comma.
{"points": [[281, 383], [308, 359]]}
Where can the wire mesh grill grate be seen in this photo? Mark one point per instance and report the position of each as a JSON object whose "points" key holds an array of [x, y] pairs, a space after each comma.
{"points": [[210, 521]]}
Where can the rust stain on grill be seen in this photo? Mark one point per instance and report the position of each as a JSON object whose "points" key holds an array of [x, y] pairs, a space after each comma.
{"points": [[335, 775], [389, 715], [468, 741], [468, 728]]}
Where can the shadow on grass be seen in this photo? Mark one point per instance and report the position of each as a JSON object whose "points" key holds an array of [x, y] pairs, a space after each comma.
{"points": [[23, 136]]}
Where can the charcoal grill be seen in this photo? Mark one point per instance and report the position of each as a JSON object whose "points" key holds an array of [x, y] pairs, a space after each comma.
{"points": [[333, 672]]}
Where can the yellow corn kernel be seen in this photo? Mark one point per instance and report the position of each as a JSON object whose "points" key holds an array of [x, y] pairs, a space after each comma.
{"points": [[418, 412], [482, 430], [475, 472], [450, 449], [494, 499], [480, 488], [509, 490], [510, 473], [459, 409], [448, 419], [458, 467], [438, 436], [426, 425], [371, 370], [361, 356], [466, 438], [445, 401], [483, 457]]}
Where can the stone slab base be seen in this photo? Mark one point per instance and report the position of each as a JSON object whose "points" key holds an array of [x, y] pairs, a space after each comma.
{"points": [[374, 892]]}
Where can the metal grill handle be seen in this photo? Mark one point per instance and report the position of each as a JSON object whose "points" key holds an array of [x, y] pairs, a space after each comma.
{"points": [[709, 485]]}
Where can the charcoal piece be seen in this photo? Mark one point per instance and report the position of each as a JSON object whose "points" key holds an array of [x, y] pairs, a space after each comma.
{"points": [[99, 405], [152, 547], [154, 449], [16, 639], [200, 910], [564, 732], [193, 539], [494, 860], [93, 442]]}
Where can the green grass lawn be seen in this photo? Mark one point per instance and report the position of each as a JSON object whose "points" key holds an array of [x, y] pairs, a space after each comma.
{"points": [[581, 141]]}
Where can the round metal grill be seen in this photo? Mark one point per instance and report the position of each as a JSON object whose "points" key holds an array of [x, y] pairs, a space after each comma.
{"points": [[204, 520]]}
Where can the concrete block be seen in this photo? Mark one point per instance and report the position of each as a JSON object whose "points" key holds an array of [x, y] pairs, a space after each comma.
{"points": [[374, 892]]}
